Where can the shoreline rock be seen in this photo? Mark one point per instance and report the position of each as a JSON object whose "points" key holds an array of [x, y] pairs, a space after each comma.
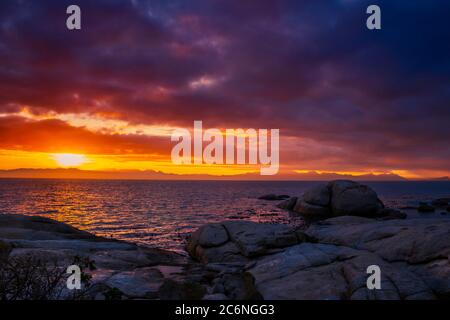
{"points": [[119, 270], [330, 259]]}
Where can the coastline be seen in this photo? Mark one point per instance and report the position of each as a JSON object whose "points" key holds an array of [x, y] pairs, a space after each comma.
{"points": [[242, 260]]}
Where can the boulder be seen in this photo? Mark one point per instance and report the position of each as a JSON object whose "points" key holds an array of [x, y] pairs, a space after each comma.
{"points": [[311, 210], [351, 198], [117, 269], [319, 195], [210, 235], [412, 255], [273, 197], [288, 204], [338, 198], [239, 286], [245, 239]]}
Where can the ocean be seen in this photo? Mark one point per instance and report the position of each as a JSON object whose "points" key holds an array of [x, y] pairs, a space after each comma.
{"points": [[162, 213]]}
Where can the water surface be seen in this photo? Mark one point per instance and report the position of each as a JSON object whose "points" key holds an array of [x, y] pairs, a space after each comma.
{"points": [[162, 213]]}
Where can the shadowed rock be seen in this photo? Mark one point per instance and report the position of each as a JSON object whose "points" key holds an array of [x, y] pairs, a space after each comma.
{"points": [[338, 198], [245, 239], [128, 270], [331, 262]]}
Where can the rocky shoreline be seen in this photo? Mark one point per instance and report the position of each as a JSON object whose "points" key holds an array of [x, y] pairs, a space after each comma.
{"points": [[350, 230]]}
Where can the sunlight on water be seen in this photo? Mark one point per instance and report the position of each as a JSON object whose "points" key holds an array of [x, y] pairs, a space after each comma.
{"points": [[161, 213]]}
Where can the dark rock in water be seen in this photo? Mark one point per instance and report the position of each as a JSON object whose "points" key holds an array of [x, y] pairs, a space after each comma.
{"points": [[424, 208], [441, 202], [288, 204], [338, 198], [351, 198], [270, 197], [273, 197]]}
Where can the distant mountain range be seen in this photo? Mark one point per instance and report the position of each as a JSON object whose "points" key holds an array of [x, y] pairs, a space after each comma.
{"points": [[72, 173]]}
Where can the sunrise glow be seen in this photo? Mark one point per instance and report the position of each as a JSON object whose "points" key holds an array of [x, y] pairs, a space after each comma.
{"points": [[69, 159]]}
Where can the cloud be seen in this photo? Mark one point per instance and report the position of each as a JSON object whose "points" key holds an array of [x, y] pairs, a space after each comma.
{"points": [[56, 136], [362, 99]]}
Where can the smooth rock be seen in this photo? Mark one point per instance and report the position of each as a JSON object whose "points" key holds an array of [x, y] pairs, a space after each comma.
{"points": [[139, 283], [246, 239], [288, 204], [351, 198], [319, 195], [308, 209]]}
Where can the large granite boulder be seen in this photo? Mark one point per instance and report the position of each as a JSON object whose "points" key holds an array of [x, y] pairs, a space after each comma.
{"points": [[413, 256], [337, 198], [237, 241], [351, 198], [331, 258], [319, 195]]}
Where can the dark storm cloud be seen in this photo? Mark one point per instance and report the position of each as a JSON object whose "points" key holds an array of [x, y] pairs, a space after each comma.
{"points": [[310, 68]]}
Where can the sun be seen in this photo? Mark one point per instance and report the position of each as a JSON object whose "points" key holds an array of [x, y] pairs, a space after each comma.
{"points": [[70, 159]]}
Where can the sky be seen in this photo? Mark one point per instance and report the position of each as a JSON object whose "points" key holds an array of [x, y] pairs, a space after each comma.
{"points": [[346, 99]]}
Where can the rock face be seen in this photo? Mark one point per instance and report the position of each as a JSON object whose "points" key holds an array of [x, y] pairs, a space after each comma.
{"points": [[127, 270], [338, 198], [239, 240], [288, 204], [330, 260]]}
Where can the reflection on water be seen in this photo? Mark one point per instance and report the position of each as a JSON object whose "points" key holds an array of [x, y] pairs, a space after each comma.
{"points": [[162, 213]]}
